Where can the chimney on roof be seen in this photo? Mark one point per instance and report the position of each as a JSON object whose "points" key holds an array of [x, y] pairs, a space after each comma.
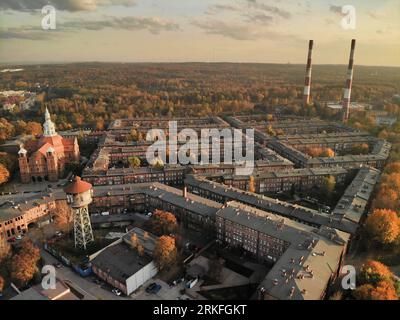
{"points": [[307, 83], [291, 292], [184, 193], [349, 81]]}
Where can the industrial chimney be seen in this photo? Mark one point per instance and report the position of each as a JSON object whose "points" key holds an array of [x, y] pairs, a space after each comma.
{"points": [[349, 81], [307, 84]]}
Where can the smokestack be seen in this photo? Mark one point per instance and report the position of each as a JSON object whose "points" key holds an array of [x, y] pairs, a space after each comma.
{"points": [[307, 83], [349, 81]]}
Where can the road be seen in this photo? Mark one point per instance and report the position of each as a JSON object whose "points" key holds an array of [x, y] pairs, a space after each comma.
{"points": [[89, 289]]}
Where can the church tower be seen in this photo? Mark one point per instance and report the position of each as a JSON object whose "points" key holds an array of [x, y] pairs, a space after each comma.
{"points": [[49, 129], [24, 166], [52, 164]]}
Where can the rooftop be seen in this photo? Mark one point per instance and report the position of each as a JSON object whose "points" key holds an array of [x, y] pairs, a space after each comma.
{"points": [[307, 264], [121, 261]]}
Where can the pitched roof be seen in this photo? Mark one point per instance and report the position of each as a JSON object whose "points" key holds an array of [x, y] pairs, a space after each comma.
{"points": [[78, 186]]}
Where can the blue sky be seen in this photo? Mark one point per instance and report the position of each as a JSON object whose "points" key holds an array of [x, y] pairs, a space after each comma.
{"points": [[203, 30]]}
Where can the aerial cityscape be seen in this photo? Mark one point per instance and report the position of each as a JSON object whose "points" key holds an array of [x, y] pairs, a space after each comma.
{"points": [[240, 150]]}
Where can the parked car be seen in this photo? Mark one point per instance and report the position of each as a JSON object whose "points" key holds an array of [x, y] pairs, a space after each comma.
{"points": [[117, 292], [191, 283], [153, 288], [58, 233], [57, 265], [19, 237]]}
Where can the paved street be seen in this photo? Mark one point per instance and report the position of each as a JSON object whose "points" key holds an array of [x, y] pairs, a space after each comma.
{"points": [[89, 289], [166, 293]]}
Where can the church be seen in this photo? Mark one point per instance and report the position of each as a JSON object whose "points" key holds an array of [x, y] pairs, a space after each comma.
{"points": [[45, 158]]}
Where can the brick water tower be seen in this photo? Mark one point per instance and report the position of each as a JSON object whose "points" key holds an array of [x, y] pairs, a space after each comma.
{"points": [[79, 196]]}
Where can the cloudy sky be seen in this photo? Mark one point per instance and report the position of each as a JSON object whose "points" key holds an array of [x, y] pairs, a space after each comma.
{"points": [[274, 31]]}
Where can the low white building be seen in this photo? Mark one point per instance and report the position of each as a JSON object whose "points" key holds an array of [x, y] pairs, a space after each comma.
{"points": [[121, 265]]}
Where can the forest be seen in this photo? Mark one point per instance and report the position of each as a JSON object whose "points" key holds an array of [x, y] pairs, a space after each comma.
{"points": [[93, 94]]}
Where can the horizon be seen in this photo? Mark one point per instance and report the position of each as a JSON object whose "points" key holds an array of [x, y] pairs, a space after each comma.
{"points": [[32, 63]]}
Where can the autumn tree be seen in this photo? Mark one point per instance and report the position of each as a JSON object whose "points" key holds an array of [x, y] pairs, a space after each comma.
{"points": [[4, 174], [387, 198], [9, 161], [362, 148], [270, 130], [134, 240], [383, 226], [320, 152], [64, 216], [7, 129], [2, 283], [24, 263], [33, 128], [134, 135], [393, 167], [384, 290], [374, 271], [140, 250], [163, 222], [329, 184], [134, 162], [252, 187], [165, 252], [5, 249], [328, 152]]}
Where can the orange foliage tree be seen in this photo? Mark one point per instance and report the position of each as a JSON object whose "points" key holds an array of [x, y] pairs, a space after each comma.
{"points": [[64, 216], [388, 196], [393, 167], [24, 263], [33, 128], [2, 283], [4, 174], [163, 222], [252, 187], [5, 249], [134, 240], [383, 291], [383, 226], [362, 148], [320, 152], [165, 252], [374, 271]]}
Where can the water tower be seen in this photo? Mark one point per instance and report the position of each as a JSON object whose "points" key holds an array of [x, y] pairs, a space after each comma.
{"points": [[79, 196]]}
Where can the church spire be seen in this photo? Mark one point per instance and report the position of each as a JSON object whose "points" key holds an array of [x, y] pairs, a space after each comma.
{"points": [[48, 125]]}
